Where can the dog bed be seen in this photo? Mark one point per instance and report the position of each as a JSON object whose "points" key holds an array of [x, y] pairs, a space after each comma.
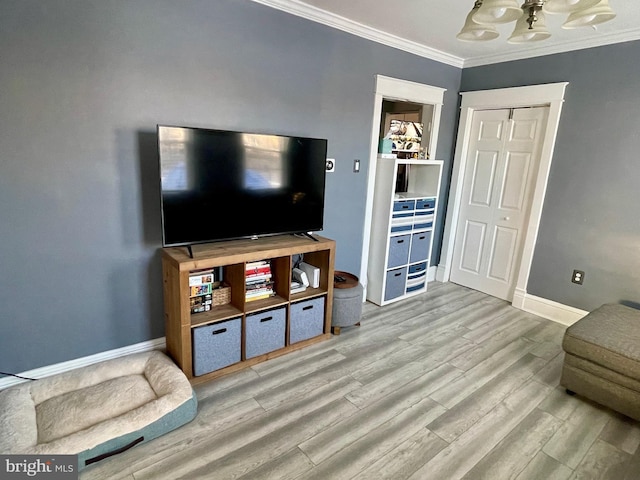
{"points": [[96, 411]]}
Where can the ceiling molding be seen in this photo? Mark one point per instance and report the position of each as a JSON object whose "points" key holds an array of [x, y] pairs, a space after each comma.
{"points": [[341, 23], [539, 51]]}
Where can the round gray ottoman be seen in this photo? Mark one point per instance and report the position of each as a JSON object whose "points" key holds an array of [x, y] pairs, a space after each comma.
{"points": [[347, 301]]}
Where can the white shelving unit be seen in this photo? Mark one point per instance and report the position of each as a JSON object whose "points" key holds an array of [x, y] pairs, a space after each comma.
{"points": [[404, 215]]}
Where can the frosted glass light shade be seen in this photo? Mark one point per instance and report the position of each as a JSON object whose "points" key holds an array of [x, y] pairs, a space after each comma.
{"points": [[497, 11], [523, 34], [599, 13], [476, 32], [567, 6]]}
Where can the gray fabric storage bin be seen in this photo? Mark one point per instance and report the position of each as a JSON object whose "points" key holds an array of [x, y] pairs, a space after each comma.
{"points": [[306, 320], [420, 243], [216, 346], [396, 281], [265, 332], [398, 250]]}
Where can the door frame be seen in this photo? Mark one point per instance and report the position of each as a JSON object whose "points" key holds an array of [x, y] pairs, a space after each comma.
{"points": [[551, 95], [390, 88]]}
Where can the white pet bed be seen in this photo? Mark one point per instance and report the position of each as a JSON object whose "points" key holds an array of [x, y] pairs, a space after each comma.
{"points": [[96, 411]]}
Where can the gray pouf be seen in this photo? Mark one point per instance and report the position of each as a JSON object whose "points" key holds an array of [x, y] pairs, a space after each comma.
{"points": [[347, 303], [602, 358]]}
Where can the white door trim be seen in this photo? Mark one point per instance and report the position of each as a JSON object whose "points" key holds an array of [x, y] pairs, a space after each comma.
{"points": [[535, 95], [393, 89]]}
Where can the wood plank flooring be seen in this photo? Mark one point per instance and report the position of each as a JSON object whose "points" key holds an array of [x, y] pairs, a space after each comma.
{"points": [[452, 384]]}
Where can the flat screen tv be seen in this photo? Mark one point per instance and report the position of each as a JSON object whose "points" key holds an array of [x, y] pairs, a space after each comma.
{"points": [[221, 185]]}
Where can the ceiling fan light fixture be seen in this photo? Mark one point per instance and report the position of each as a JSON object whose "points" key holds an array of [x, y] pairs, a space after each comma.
{"points": [[530, 32], [494, 12], [567, 6], [530, 18], [599, 13], [473, 31]]}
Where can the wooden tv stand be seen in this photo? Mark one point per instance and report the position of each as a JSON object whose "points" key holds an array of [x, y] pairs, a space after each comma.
{"points": [[233, 256]]}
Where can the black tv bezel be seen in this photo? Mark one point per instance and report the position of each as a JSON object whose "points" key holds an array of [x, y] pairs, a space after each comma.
{"points": [[242, 237]]}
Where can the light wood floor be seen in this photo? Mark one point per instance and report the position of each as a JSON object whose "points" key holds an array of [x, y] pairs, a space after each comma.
{"points": [[449, 385]]}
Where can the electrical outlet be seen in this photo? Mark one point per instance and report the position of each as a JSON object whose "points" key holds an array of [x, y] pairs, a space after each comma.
{"points": [[577, 277], [331, 165]]}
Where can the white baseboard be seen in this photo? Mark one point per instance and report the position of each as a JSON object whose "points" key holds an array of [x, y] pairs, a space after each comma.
{"points": [[440, 271], [156, 344], [431, 273], [557, 312]]}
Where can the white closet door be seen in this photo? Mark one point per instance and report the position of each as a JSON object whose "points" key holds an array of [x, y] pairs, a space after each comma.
{"points": [[501, 167]]}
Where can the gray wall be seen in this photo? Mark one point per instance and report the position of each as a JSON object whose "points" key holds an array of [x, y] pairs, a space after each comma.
{"points": [[590, 219], [83, 85]]}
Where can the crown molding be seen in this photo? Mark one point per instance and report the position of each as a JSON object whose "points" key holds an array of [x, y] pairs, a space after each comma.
{"points": [[338, 22], [296, 7], [539, 51]]}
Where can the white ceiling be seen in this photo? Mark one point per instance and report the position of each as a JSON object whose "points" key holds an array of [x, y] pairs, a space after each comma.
{"points": [[429, 27]]}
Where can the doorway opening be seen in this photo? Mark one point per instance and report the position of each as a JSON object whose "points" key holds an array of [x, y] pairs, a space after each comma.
{"points": [[405, 129], [394, 94]]}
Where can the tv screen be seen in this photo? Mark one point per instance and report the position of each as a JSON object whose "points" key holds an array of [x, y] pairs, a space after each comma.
{"points": [[221, 185]]}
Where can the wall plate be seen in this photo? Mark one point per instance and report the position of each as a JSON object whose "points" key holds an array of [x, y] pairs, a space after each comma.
{"points": [[331, 165]]}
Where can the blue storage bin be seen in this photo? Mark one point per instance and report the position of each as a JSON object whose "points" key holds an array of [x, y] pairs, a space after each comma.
{"points": [[417, 277], [216, 346], [423, 219], [265, 332], [417, 269], [414, 285], [398, 251], [306, 319], [402, 222], [404, 205], [426, 203], [396, 281], [420, 244]]}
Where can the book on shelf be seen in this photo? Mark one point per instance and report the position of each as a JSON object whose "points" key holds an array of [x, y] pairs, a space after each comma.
{"points": [[258, 270], [259, 285], [259, 263], [259, 294], [201, 303], [261, 291], [260, 297], [201, 300], [200, 277], [201, 285], [203, 289], [258, 278]]}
